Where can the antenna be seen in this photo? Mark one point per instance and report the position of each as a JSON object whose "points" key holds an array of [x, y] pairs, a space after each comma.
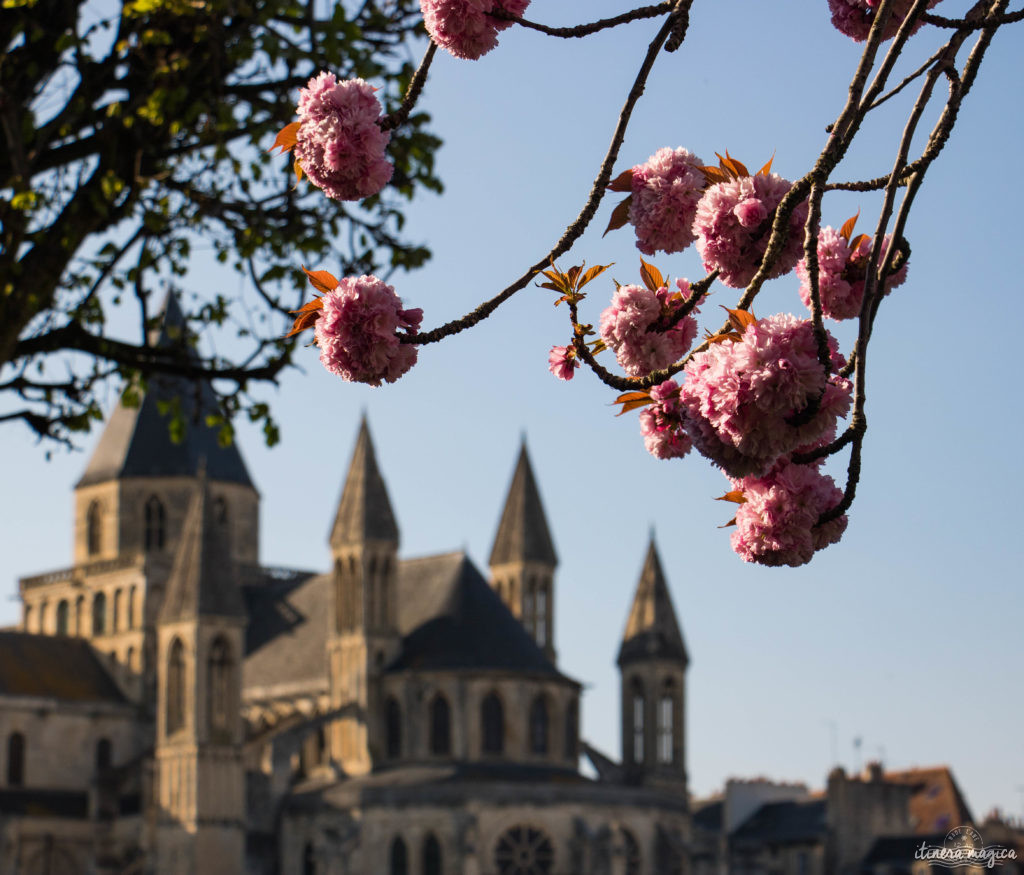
{"points": [[857, 764]]}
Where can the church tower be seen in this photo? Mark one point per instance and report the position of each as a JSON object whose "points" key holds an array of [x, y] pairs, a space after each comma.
{"points": [[523, 558], [653, 662], [363, 635], [199, 733]]}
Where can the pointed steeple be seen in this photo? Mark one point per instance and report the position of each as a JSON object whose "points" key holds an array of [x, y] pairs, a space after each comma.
{"points": [[364, 511], [203, 582], [137, 442], [523, 534], [652, 630]]}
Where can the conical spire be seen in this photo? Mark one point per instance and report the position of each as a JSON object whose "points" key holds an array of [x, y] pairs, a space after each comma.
{"points": [[364, 512], [652, 630], [137, 442], [523, 534], [203, 580]]}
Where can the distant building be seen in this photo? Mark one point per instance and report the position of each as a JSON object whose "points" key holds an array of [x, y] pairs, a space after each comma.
{"points": [[169, 706]]}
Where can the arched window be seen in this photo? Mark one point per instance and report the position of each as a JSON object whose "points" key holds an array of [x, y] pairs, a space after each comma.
{"points": [[15, 760], [42, 617], [639, 705], [440, 726], [99, 614], [220, 699], [93, 528], [384, 603], [27, 622], [176, 687], [631, 852], [62, 617], [399, 858], [130, 612], [129, 658], [220, 510], [666, 724], [529, 592], [492, 719], [539, 726], [524, 850], [572, 730], [431, 855], [80, 615], [156, 532], [115, 614], [541, 614], [308, 859], [104, 755], [393, 728]]}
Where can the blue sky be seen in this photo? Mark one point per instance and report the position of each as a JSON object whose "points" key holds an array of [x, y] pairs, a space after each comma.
{"points": [[907, 634]]}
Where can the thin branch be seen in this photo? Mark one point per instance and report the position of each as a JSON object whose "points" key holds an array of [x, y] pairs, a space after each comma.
{"points": [[582, 30], [412, 94]]}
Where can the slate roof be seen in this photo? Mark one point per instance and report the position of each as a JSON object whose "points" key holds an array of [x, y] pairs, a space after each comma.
{"points": [[652, 630], [782, 823], [709, 816], [37, 665], [452, 619], [364, 511], [203, 580], [523, 533], [136, 441]]}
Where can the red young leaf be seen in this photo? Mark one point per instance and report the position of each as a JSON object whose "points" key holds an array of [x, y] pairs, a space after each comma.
{"points": [[856, 241], [731, 522], [306, 316], [597, 346], [848, 227], [574, 273], [593, 273], [559, 279], [321, 280], [725, 335], [651, 276], [632, 400], [620, 216], [764, 171], [736, 496], [714, 175], [740, 319], [285, 139], [622, 182], [737, 167], [298, 173]]}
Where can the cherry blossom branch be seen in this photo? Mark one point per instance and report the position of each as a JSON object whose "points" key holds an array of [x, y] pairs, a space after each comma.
{"points": [[582, 30], [393, 119], [574, 231], [964, 24]]}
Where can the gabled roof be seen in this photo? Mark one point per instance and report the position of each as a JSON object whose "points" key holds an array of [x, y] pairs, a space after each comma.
{"points": [[523, 533], [452, 619], [652, 630], [203, 580], [364, 511], [40, 666], [136, 441], [936, 803], [781, 823]]}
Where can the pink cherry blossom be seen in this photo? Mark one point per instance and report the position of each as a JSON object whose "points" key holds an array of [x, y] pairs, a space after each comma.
{"points": [[740, 397], [854, 17], [632, 327], [465, 28], [777, 524], [661, 423], [562, 362], [666, 189], [732, 227], [841, 274], [339, 144], [358, 331]]}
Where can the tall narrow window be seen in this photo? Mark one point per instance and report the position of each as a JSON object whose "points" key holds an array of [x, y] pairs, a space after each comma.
{"points": [[384, 604], [492, 718], [399, 862], [15, 760], [572, 730], [220, 510], [63, 609], [529, 594], [104, 755], [115, 614], [631, 853], [440, 726], [93, 528], [370, 588], [539, 726], [99, 614], [666, 724], [130, 610], [393, 728], [80, 615], [27, 621], [155, 516], [639, 703], [541, 615], [176, 687], [431, 855], [220, 700], [309, 859], [43, 617]]}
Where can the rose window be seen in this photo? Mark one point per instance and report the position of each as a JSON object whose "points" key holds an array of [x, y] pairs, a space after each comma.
{"points": [[524, 850]]}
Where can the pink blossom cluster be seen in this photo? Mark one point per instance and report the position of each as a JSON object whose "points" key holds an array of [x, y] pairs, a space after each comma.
{"points": [[732, 227], [339, 144], [777, 523], [841, 274], [357, 331], [661, 423], [742, 397], [562, 361], [465, 28], [855, 17], [633, 327], [666, 189]]}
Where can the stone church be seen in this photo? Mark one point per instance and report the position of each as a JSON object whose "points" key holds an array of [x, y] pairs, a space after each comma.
{"points": [[169, 706]]}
